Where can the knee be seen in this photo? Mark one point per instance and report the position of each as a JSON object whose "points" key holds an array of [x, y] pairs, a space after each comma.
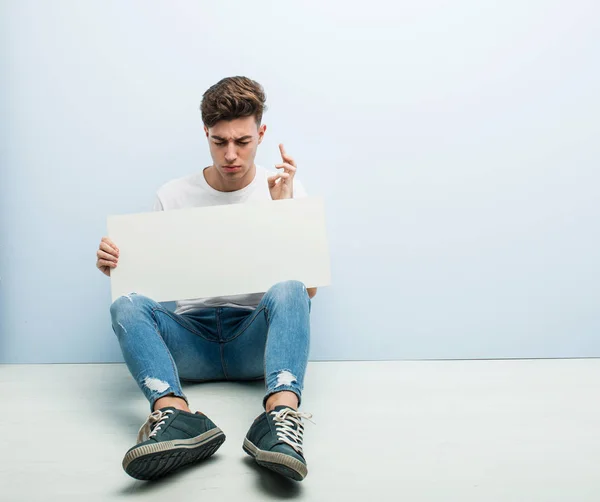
{"points": [[288, 291], [127, 306]]}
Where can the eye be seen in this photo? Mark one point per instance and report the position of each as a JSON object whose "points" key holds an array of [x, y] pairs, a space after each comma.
{"points": [[219, 143], [243, 142]]}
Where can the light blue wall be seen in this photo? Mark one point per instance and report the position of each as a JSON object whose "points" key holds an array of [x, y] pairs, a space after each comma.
{"points": [[456, 144]]}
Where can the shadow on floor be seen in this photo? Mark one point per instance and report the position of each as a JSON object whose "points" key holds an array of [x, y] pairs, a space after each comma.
{"points": [[272, 484], [136, 487]]}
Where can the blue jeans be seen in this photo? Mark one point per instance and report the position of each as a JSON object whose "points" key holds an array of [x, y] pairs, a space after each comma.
{"points": [[221, 343]]}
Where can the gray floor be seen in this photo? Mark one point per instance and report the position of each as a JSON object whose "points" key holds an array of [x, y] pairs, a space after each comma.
{"points": [[410, 431]]}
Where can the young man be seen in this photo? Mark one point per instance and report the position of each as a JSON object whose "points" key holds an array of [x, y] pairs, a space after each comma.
{"points": [[243, 337]]}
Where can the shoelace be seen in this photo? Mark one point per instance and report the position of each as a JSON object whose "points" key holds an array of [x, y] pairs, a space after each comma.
{"points": [[290, 428], [152, 425]]}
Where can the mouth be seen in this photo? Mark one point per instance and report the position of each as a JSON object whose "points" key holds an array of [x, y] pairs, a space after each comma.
{"points": [[231, 169]]}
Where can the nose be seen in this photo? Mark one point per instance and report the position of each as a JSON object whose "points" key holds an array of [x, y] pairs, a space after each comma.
{"points": [[230, 154]]}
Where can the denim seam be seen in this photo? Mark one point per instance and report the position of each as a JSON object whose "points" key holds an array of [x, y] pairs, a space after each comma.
{"points": [[221, 343], [265, 353], [154, 311], [191, 330], [269, 393], [248, 323]]}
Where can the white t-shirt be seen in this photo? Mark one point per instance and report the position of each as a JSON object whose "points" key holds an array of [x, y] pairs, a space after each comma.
{"points": [[194, 191]]}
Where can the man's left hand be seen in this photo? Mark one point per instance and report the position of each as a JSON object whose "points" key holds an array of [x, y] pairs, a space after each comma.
{"points": [[281, 185]]}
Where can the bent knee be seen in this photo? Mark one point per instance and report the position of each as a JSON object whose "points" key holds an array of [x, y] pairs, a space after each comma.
{"points": [[127, 305], [289, 289]]}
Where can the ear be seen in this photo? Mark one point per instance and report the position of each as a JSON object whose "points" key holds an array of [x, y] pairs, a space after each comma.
{"points": [[261, 133], [206, 131]]}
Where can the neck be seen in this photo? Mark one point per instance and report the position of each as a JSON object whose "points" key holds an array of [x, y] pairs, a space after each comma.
{"points": [[223, 184]]}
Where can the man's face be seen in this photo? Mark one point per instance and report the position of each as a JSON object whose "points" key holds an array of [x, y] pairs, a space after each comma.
{"points": [[233, 147]]}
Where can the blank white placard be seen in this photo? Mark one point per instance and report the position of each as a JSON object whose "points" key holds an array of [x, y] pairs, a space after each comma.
{"points": [[220, 250]]}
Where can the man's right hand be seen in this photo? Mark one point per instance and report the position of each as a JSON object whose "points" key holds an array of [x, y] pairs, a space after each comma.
{"points": [[108, 256]]}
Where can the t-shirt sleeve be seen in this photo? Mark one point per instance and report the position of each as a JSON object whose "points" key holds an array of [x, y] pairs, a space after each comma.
{"points": [[157, 204]]}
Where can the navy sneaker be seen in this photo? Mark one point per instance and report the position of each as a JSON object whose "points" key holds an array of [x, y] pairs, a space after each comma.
{"points": [[275, 442], [170, 439]]}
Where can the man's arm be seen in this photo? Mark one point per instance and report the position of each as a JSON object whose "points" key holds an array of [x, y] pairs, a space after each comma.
{"points": [[311, 292]]}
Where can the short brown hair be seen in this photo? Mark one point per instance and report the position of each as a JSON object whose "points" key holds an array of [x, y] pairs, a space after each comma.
{"points": [[233, 98]]}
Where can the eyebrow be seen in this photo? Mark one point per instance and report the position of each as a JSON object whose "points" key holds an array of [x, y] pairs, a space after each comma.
{"points": [[243, 138]]}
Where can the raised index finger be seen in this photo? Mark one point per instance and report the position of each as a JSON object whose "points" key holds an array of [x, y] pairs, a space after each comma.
{"points": [[284, 155]]}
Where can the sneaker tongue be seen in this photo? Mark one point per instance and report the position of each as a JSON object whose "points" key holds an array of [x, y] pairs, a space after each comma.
{"points": [[181, 411], [282, 407], [167, 408], [278, 409], [155, 417]]}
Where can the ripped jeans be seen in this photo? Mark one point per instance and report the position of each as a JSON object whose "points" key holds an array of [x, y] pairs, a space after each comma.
{"points": [[220, 343]]}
